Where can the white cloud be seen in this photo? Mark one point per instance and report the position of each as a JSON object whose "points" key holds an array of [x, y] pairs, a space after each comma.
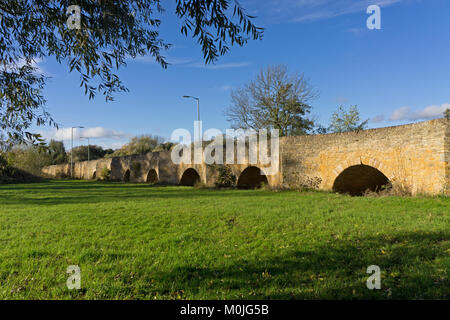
{"points": [[112, 145], [93, 133], [427, 113], [35, 63], [377, 119]]}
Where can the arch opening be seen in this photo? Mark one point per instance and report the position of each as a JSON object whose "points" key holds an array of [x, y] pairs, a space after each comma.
{"points": [[190, 178], [152, 176], [94, 175], [126, 177], [252, 178], [356, 180]]}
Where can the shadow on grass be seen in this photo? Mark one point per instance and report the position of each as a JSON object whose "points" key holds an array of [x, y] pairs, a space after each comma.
{"points": [[412, 267], [70, 192]]}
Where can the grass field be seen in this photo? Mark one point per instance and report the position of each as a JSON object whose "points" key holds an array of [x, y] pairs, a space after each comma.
{"points": [[135, 241]]}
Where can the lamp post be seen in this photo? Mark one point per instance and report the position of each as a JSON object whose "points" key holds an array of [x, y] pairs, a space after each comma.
{"points": [[71, 152], [89, 145], [198, 114]]}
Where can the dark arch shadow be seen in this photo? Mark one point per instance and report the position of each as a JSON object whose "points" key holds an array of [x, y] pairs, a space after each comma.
{"points": [[126, 176], [190, 177], [356, 180], [252, 178], [94, 175], [152, 176]]}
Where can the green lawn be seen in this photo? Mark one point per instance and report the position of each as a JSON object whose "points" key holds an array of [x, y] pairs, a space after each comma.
{"points": [[134, 241]]}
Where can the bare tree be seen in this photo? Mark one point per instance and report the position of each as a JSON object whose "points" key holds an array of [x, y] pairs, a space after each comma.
{"points": [[276, 100]]}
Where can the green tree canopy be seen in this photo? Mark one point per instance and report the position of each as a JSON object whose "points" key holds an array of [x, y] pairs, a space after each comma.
{"points": [[57, 152], [28, 158], [109, 32], [275, 99], [80, 153], [140, 145], [344, 121]]}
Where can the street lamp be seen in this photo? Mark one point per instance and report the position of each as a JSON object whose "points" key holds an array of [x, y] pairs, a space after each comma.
{"points": [[198, 113], [89, 145], [71, 152]]}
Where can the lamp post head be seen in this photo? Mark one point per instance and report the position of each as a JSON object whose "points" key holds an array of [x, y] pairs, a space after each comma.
{"points": [[188, 97]]}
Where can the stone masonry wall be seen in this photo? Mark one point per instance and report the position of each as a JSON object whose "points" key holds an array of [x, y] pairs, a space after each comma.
{"points": [[415, 156]]}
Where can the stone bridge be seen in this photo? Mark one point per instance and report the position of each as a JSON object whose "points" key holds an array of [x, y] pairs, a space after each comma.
{"points": [[415, 156]]}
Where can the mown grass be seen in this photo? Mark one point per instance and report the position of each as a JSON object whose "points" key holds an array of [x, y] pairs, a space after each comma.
{"points": [[134, 241]]}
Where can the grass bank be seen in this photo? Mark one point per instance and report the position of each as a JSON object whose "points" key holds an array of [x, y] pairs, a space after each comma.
{"points": [[135, 241]]}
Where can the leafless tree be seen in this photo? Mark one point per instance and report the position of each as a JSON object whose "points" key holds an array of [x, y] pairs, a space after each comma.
{"points": [[276, 100]]}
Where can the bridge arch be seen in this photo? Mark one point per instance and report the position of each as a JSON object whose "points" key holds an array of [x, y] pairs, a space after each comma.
{"points": [[359, 178], [190, 177], [126, 176], [152, 176], [252, 178]]}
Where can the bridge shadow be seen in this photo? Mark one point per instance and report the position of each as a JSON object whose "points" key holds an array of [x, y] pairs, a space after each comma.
{"points": [[412, 267], [70, 192]]}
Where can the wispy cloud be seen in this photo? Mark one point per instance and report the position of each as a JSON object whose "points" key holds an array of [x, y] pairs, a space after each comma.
{"points": [[35, 63], [341, 100], [336, 8], [377, 119], [94, 133], [229, 65], [356, 30], [170, 60], [226, 87], [427, 113], [311, 10]]}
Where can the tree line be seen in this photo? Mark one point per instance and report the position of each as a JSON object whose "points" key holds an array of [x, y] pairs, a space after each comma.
{"points": [[32, 158]]}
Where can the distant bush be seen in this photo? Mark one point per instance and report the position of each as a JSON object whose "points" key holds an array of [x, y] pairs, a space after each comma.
{"points": [[3, 163], [139, 145], [136, 168], [302, 182], [164, 147], [391, 189], [201, 185], [57, 152], [80, 153], [30, 159], [225, 177], [105, 174], [9, 174]]}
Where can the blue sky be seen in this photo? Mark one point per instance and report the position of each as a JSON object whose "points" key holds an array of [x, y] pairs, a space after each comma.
{"points": [[396, 75]]}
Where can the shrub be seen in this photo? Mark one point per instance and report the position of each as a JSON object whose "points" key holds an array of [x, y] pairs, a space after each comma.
{"points": [[201, 185], [30, 159], [136, 168], [391, 189], [225, 177], [3, 164], [302, 182], [9, 174], [105, 174]]}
